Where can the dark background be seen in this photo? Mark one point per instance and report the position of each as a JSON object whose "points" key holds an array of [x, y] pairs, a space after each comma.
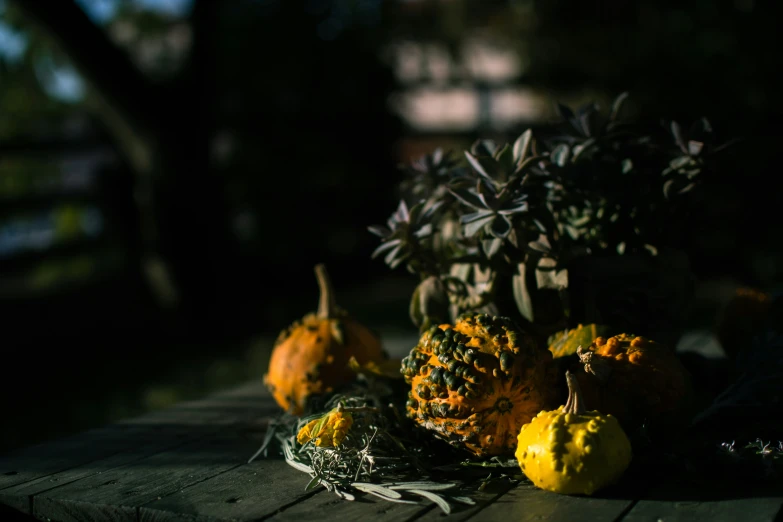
{"points": [[172, 170]]}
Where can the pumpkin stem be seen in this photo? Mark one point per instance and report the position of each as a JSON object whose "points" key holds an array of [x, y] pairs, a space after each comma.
{"points": [[575, 404], [594, 365], [327, 306]]}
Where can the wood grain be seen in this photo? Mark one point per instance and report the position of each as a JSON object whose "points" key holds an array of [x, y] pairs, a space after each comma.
{"points": [[526, 502], [80, 462], [116, 494], [716, 501], [365, 508], [247, 492], [20, 497], [483, 499]]}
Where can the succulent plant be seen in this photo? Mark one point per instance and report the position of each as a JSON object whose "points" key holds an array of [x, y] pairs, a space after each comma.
{"points": [[499, 227]]}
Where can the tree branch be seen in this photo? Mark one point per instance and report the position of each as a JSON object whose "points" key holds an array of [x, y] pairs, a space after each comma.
{"points": [[131, 99]]}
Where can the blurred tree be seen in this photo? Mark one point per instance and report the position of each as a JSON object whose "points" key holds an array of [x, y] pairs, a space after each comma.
{"points": [[237, 148]]}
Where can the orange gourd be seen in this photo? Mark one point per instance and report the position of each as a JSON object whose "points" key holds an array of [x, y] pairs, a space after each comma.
{"points": [[477, 382], [312, 355], [635, 379]]}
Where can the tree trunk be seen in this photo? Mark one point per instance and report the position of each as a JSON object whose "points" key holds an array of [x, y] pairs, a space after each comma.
{"points": [[164, 133]]}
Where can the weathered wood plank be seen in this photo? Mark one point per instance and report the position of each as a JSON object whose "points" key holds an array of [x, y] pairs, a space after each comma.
{"points": [[248, 492], [755, 509], [367, 508], [117, 494], [483, 498], [240, 405], [51, 457], [19, 497], [266, 488], [222, 407], [46, 467], [717, 502], [324, 503], [45, 459], [526, 502]]}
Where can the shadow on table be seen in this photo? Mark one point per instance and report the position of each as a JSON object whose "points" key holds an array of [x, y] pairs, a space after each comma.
{"points": [[671, 485], [11, 515]]}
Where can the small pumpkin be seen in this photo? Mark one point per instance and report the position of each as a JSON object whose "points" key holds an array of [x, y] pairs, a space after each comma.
{"points": [[565, 343], [573, 451], [312, 355], [634, 379], [475, 383]]}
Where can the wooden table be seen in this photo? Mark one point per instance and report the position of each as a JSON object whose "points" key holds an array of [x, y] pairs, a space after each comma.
{"points": [[190, 463]]}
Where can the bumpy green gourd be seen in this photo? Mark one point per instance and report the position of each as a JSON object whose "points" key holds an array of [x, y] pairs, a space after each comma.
{"points": [[476, 382]]}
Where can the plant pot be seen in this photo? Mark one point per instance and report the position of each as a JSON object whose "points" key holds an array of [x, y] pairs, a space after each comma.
{"points": [[643, 295]]}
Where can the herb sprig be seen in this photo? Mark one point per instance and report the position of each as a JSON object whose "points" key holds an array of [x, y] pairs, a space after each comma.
{"points": [[381, 455]]}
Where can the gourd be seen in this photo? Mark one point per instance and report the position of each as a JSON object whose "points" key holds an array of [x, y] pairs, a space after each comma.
{"points": [[634, 379], [565, 343], [312, 355], [475, 383], [571, 450]]}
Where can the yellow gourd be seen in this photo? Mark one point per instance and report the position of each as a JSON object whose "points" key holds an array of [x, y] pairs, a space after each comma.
{"points": [[573, 451]]}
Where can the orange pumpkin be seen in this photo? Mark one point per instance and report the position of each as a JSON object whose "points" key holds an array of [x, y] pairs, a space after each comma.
{"points": [[477, 382], [312, 355], [635, 379]]}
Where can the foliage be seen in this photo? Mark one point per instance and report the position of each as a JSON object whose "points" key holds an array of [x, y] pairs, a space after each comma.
{"points": [[515, 216]]}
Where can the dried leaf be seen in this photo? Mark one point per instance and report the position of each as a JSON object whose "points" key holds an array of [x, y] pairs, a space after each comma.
{"points": [[491, 246], [504, 157], [547, 275], [430, 302], [560, 155], [522, 146], [521, 293], [471, 229], [376, 489], [468, 197], [667, 188], [617, 106], [687, 188], [695, 147], [477, 165], [425, 485], [678, 139], [541, 244], [315, 481], [437, 499]]}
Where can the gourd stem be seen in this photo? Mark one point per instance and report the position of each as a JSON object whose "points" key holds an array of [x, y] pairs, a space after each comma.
{"points": [[327, 306], [575, 404], [594, 365]]}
